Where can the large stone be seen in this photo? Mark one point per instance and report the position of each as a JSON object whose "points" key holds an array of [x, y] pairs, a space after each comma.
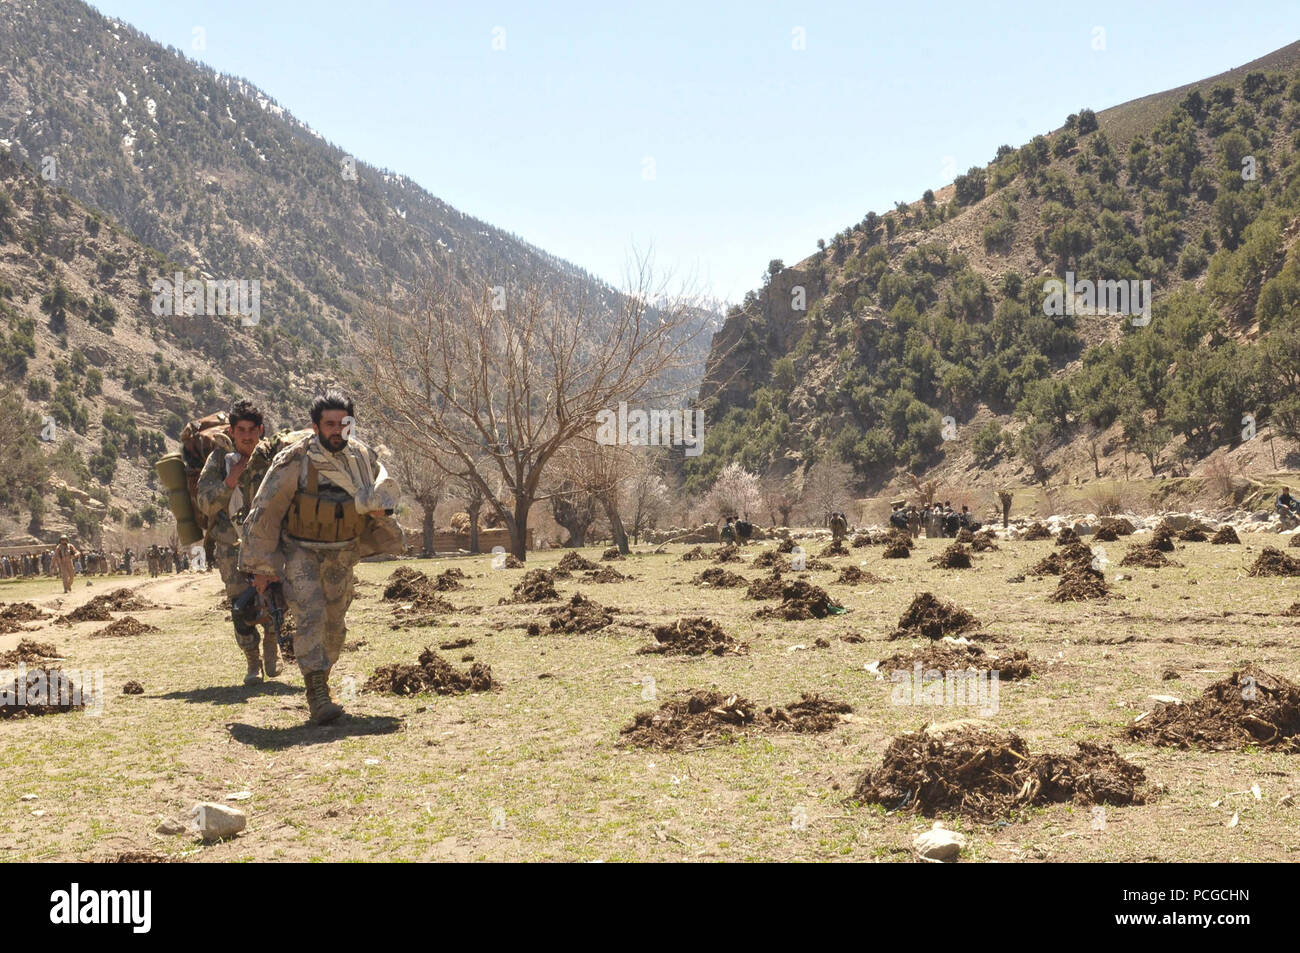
{"points": [[939, 845], [213, 821]]}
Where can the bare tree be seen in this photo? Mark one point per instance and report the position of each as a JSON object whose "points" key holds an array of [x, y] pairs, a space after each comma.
{"points": [[779, 495], [422, 482], [491, 382], [826, 489], [574, 508], [648, 496]]}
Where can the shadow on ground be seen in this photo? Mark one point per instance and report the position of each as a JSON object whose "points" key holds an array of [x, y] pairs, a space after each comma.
{"points": [[231, 694], [277, 739]]}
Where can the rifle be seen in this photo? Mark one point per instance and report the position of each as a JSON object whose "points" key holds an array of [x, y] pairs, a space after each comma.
{"points": [[256, 608], [272, 602]]}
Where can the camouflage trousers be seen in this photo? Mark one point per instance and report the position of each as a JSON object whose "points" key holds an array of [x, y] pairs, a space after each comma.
{"points": [[318, 589], [227, 559]]}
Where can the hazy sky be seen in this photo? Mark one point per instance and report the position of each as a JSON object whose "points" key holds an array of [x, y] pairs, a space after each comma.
{"points": [[722, 135]]}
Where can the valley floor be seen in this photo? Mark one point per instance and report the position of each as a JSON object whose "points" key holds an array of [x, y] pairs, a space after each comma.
{"points": [[535, 769]]}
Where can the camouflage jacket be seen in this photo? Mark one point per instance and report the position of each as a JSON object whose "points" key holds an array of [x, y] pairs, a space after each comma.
{"points": [[214, 496], [262, 536]]}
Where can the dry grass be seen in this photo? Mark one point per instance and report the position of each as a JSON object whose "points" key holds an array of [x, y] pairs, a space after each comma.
{"points": [[425, 778]]}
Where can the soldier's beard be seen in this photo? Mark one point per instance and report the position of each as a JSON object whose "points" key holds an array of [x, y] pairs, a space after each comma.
{"points": [[335, 443]]}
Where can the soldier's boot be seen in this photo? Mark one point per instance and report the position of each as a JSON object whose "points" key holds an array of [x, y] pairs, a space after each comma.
{"points": [[321, 709], [254, 674], [246, 636], [270, 655]]}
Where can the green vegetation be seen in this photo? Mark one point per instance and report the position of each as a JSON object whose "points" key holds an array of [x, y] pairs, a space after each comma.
{"points": [[1210, 190]]}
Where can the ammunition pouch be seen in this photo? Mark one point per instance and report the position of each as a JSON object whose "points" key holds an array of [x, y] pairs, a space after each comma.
{"points": [[319, 519]]}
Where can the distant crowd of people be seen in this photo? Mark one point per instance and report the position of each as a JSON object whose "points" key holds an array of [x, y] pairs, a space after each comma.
{"points": [[96, 562], [939, 520]]}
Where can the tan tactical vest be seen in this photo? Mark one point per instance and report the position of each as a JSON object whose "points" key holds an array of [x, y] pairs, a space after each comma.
{"points": [[320, 519]]}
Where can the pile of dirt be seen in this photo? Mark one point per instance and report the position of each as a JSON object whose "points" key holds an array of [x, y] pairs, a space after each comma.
{"points": [[605, 574], [46, 692], [896, 535], [696, 553], [1105, 534], [611, 554], [1037, 531], [1148, 557], [817, 564], [574, 561], [769, 559], [579, 615], [1249, 707], [965, 536], [863, 539], [786, 545], [1117, 524], [1293, 610], [1067, 537], [1225, 534], [98, 608], [802, 600], [462, 643], [720, 578], [836, 548], [1079, 583], [132, 688], [692, 636], [956, 556], [1163, 538], [28, 651], [766, 587], [514, 562], [407, 585], [538, 585], [431, 673], [811, 714], [1295, 542], [1060, 560], [856, 575], [11, 616], [448, 580], [1193, 534], [727, 554], [127, 625], [951, 657], [1274, 562], [983, 542], [985, 774], [932, 618], [423, 612], [703, 718], [895, 549]]}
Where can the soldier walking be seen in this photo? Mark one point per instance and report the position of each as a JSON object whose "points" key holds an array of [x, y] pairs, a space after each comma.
{"points": [[324, 504], [226, 488]]}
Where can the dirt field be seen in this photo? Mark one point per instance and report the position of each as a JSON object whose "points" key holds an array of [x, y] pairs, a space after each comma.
{"points": [[537, 768]]}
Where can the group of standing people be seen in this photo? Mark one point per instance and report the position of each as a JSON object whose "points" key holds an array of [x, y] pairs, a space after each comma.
{"points": [[93, 562], [940, 520]]}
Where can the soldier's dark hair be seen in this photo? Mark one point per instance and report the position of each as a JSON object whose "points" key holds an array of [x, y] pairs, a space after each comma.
{"points": [[245, 410], [330, 400]]}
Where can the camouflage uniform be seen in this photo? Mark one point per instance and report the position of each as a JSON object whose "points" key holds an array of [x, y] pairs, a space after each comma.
{"points": [[214, 499], [317, 575]]}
